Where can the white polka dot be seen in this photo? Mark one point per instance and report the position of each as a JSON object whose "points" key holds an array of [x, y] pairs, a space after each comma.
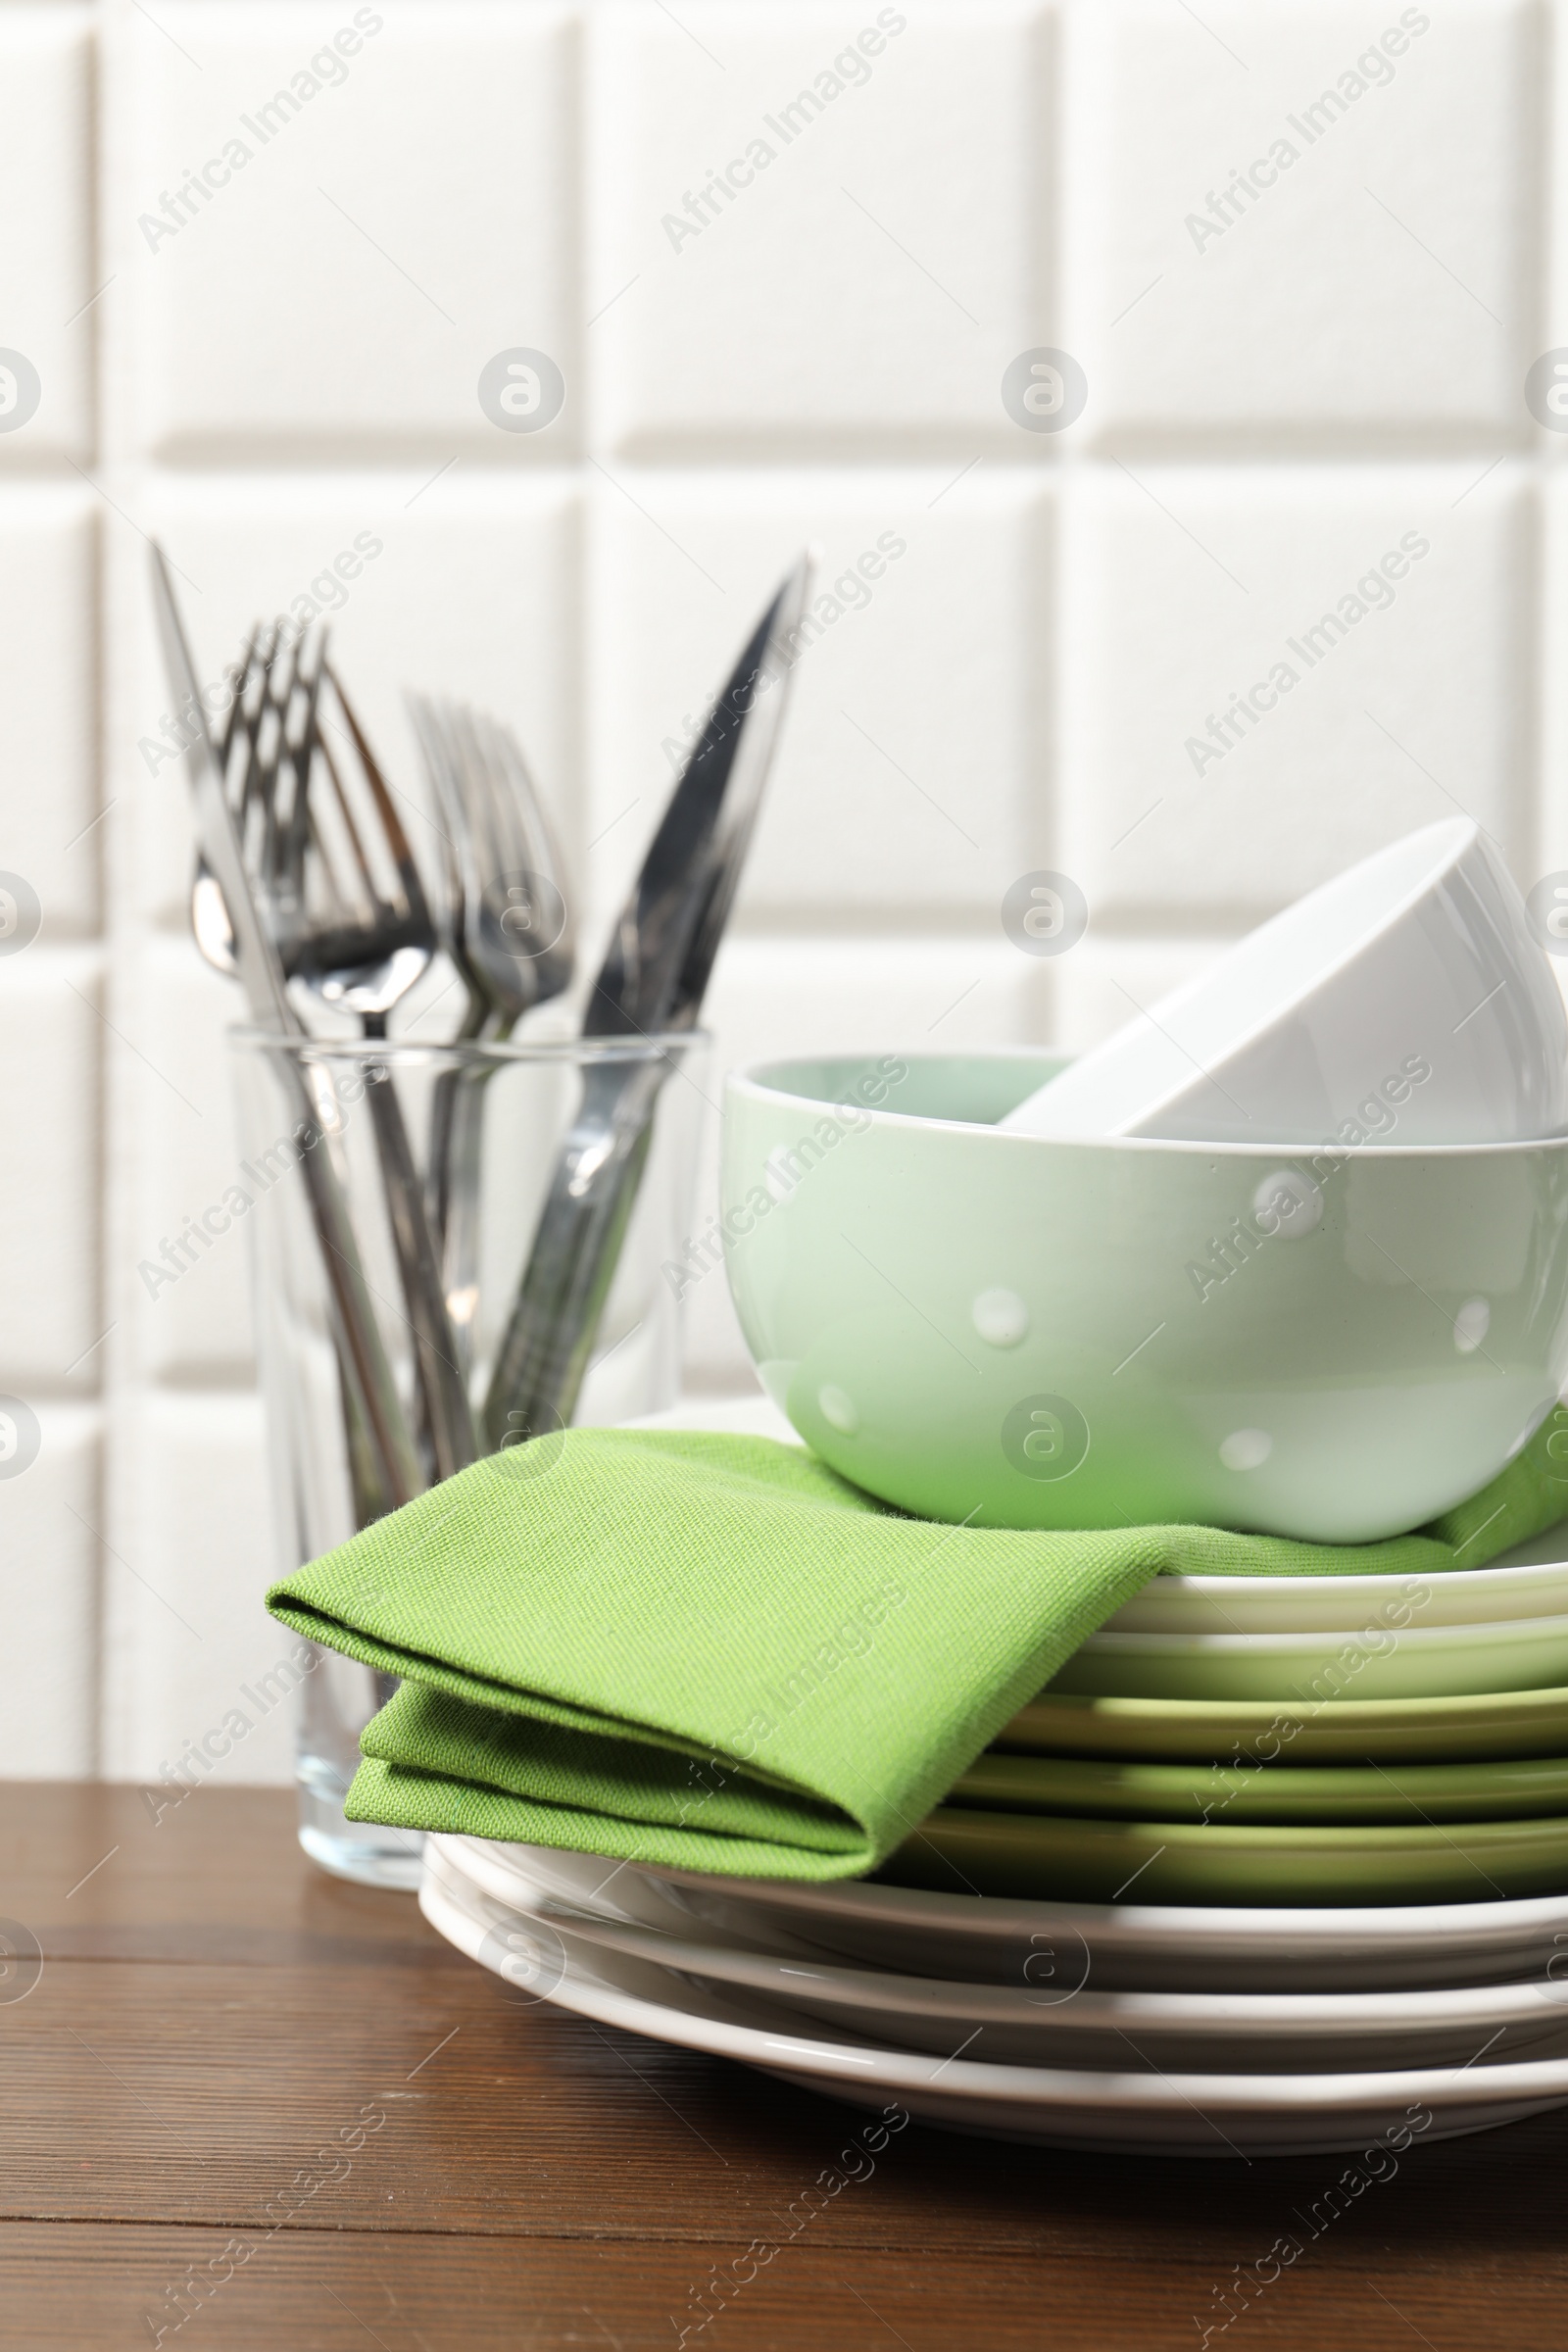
{"points": [[1246, 1448], [839, 1410], [1001, 1317], [1471, 1325], [1287, 1205]]}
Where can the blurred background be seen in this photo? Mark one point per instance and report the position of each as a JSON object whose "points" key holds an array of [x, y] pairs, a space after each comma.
{"points": [[1107, 350]]}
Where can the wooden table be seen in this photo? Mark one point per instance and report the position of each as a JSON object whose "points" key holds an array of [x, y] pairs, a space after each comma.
{"points": [[253, 2108]]}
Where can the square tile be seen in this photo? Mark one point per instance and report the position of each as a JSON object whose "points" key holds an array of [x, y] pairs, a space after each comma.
{"points": [[1301, 223], [380, 207], [49, 701], [1551, 842], [467, 587], [807, 345], [1552, 318], [53, 1037], [49, 1513], [46, 193], [181, 1292], [815, 231], [912, 781], [184, 1628], [1375, 617]]}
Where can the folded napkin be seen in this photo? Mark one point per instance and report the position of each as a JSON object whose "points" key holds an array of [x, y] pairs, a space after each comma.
{"points": [[710, 1651]]}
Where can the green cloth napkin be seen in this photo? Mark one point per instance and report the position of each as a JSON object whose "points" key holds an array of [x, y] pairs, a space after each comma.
{"points": [[712, 1653]]}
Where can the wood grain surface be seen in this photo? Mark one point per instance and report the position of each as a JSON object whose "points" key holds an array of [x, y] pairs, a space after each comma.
{"points": [[246, 2106]]}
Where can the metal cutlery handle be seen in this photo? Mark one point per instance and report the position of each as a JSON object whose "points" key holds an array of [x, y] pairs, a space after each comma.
{"points": [[544, 1355], [441, 1382], [457, 1144], [508, 927], [366, 961], [361, 1352]]}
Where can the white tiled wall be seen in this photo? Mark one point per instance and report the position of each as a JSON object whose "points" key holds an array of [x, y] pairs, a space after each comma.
{"points": [[1288, 374]]}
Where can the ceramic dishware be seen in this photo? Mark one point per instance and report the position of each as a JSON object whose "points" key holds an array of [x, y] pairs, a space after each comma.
{"points": [[1059, 2016], [1208, 2114], [1241, 1789], [962, 1849], [993, 1940], [1487, 1726], [1528, 1580], [1011, 1330], [1405, 1001], [1374, 1657]]}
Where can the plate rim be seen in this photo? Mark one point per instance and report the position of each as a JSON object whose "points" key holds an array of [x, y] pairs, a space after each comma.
{"points": [[1168, 2009], [1006, 2085], [1192, 1927]]}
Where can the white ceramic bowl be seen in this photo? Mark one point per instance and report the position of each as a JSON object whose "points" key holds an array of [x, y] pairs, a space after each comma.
{"points": [[975, 1324], [1405, 1002]]}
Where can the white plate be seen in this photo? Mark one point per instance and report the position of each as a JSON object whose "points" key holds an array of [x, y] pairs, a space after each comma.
{"points": [[1370, 1660], [991, 1939], [1058, 2017], [1197, 2114], [1528, 1581]]}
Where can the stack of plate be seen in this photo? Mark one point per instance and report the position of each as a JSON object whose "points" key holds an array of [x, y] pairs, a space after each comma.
{"points": [[1273, 1865], [1286, 1740], [1209, 2031], [1275, 1862]]}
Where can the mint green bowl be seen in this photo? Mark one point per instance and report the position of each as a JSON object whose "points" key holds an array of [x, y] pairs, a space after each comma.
{"points": [[1025, 1332]]}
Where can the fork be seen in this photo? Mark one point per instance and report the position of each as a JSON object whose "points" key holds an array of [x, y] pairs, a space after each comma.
{"points": [[387, 1469], [363, 959], [354, 927], [512, 937], [250, 779]]}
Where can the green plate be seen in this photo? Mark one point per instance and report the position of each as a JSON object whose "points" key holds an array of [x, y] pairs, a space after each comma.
{"points": [[1233, 1794], [1344, 1731], [1044, 1858], [1437, 1661]]}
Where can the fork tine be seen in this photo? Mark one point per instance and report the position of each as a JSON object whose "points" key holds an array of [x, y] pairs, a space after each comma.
{"points": [[233, 717], [530, 844], [361, 892], [473, 769], [522, 796], [513, 849], [436, 751], [425, 719], [397, 841], [302, 742], [237, 725], [243, 778], [253, 792], [278, 775]]}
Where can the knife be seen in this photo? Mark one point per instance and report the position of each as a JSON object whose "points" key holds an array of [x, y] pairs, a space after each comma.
{"points": [[652, 982]]}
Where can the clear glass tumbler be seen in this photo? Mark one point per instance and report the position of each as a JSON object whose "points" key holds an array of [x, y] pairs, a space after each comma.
{"points": [[372, 1171]]}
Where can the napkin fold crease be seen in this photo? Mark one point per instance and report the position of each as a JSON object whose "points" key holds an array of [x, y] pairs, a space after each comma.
{"points": [[710, 1651]]}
